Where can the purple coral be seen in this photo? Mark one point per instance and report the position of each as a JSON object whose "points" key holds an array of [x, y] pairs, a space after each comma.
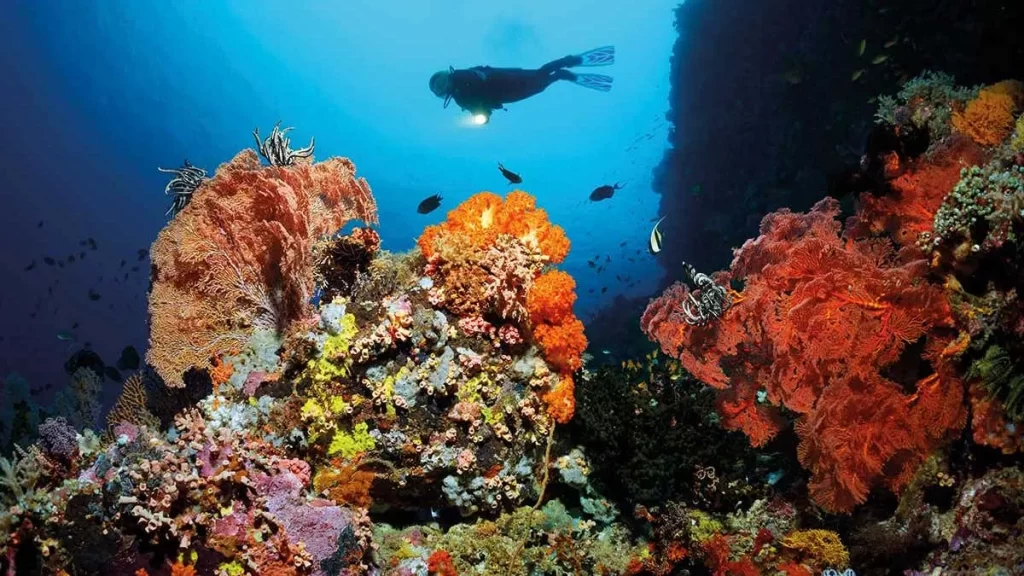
{"points": [[317, 523], [59, 439]]}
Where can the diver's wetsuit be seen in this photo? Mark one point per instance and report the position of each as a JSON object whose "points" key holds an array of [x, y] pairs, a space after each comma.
{"points": [[482, 88]]}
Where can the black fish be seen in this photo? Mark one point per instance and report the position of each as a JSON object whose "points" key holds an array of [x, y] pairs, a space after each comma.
{"points": [[94, 295], [603, 290], [30, 266], [49, 261], [40, 225], [123, 262], [621, 244], [429, 204], [81, 255], [129, 359], [512, 177], [112, 373], [591, 264], [604, 192], [74, 326], [143, 253], [135, 268], [71, 258]]}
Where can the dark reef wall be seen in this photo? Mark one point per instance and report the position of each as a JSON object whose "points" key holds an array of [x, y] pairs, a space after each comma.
{"points": [[766, 110]]}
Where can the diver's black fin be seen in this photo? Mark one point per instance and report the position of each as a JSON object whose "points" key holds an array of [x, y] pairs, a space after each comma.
{"points": [[603, 56], [594, 81]]}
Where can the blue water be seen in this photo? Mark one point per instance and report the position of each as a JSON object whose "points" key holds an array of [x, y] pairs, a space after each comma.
{"points": [[98, 94]]}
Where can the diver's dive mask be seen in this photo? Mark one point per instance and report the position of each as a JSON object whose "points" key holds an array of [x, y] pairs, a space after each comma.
{"points": [[441, 86]]}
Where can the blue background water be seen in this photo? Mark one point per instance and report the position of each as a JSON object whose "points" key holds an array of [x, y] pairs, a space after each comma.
{"points": [[98, 94]]}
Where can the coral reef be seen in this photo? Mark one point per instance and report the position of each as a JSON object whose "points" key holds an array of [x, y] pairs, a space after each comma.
{"points": [[845, 397]]}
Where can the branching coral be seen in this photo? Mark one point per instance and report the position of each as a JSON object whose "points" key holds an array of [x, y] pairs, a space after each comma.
{"points": [[813, 331], [130, 407], [239, 256]]}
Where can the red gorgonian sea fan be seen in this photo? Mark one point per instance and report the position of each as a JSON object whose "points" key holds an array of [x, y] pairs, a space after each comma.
{"points": [[820, 329], [240, 255]]}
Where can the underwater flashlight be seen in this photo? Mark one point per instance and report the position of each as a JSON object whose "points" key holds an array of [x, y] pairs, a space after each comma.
{"points": [[480, 119]]}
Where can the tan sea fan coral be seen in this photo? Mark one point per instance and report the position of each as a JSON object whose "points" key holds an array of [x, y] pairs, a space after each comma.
{"points": [[240, 255]]}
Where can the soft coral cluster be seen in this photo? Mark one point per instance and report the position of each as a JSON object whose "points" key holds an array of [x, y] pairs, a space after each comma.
{"points": [[487, 260], [819, 330], [240, 255]]}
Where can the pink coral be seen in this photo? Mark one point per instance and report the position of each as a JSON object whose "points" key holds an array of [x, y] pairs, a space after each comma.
{"points": [[475, 325], [509, 335]]}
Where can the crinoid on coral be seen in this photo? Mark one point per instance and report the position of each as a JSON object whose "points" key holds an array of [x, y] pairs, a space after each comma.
{"points": [[240, 256], [276, 148], [819, 321], [186, 181]]}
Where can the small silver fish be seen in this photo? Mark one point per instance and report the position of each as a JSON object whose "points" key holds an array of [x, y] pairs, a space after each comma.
{"points": [[655, 243], [65, 336]]}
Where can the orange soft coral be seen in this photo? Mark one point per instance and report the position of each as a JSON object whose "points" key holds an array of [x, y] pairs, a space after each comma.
{"points": [[988, 119], [440, 564], [561, 400], [484, 216], [551, 298], [563, 344], [345, 484]]}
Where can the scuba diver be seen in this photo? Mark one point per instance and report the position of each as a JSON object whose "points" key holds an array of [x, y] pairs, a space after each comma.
{"points": [[482, 89]]}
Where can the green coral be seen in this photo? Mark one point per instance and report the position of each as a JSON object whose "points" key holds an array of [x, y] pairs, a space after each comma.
{"points": [[983, 194], [1003, 377], [232, 568], [1017, 142], [702, 526], [349, 445], [928, 98]]}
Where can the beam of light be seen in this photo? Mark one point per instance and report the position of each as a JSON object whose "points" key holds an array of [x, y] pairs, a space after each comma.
{"points": [[480, 119]]}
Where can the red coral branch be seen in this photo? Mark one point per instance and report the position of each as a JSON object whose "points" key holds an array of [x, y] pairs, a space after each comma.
{"points": [[819, 322]]}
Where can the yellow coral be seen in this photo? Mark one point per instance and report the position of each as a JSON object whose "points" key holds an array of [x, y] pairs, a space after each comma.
{"points": [[1017, 144], [823, 548], [350, 445]]}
